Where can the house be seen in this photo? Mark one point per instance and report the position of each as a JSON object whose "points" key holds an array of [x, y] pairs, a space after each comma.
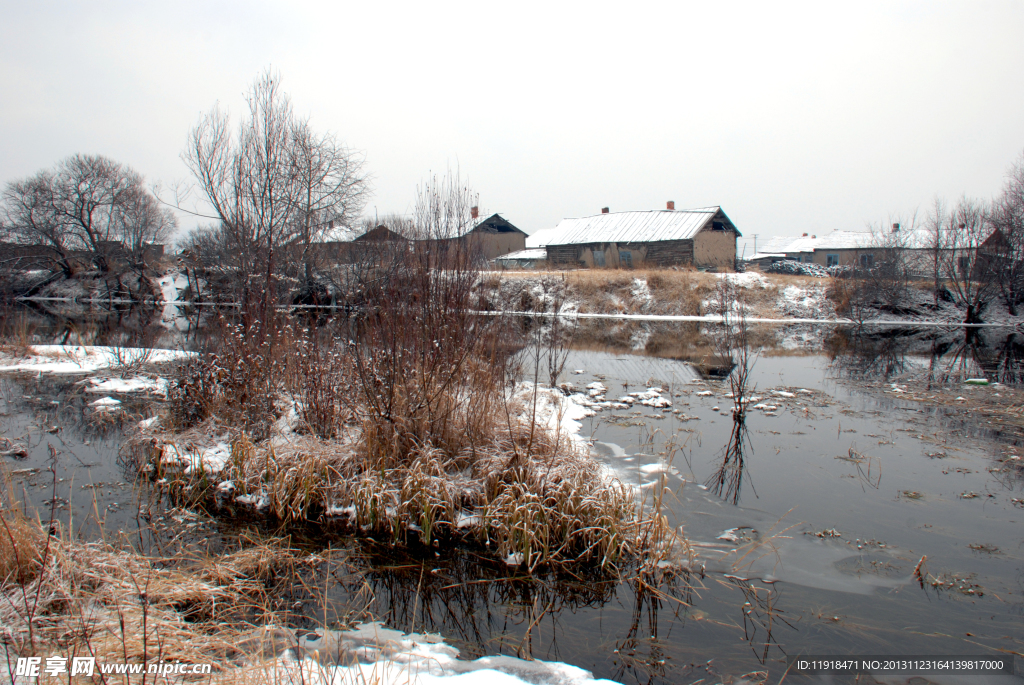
{"points": [[530, 258], [703, 237], [778, 249], [492, 236]]}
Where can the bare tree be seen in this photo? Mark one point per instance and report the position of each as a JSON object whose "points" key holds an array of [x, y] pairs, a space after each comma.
{"points": [[887, 282], [936, 223], [331, 188], [964, 267], [86, 204], [1007, 217], [276, 184]]}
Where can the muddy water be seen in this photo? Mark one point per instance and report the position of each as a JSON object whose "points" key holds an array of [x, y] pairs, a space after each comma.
{"points": [[843, 490]]}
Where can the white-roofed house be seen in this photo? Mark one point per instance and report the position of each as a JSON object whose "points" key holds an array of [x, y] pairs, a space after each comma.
{"points": [[779, 248], [703, 237]]}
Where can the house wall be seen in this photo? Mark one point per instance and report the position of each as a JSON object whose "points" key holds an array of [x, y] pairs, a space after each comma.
{"points": [[847, 257], [661, 253], [715, 248], [496, 244]]}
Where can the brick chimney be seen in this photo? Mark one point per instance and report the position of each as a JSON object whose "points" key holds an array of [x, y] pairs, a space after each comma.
{"points": [[895, 228], [604, 210], [670, 205], [474, 212], [804, 235]]}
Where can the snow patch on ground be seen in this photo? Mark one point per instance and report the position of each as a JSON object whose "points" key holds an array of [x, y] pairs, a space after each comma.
{"points": [[210, 460], [373, 653], [556, 412], [65, 359], [642, 293], [157, 386], [749, 279]]}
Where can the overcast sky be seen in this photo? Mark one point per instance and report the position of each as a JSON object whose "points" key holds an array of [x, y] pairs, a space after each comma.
{"points": [[792, 117]]}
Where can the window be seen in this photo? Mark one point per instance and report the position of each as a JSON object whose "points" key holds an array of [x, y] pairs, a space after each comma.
{"points": [[867, 261], [626, 259], [831, 260], [964, 263], [598, 257]]}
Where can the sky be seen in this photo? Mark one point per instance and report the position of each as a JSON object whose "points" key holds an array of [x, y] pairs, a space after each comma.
{"points": [[794, 117]]}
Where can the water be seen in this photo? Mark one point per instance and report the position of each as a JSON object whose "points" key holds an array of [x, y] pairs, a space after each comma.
{"points": [[841, 494]]}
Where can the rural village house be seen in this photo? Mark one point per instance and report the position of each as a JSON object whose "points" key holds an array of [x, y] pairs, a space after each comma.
{"points": [[703, 237], [492, 236], [860, 249]]}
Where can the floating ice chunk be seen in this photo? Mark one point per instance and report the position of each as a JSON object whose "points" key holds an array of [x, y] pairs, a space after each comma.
{"points": [[705, 393], [105, 402], [783, 393], [729, 535], [655, 468]]}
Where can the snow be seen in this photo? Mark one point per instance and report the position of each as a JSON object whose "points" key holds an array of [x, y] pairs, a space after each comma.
{"points": [[210, 460], [641, 292], [65, 359], [157, 386], [374, 654], [556, 412], [106, 404], [514, 559], [260, 501], [749, 279]]}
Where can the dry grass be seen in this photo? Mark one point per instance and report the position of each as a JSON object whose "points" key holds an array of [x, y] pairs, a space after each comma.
{"points": [[614, 291], [22, 543], [93, 599]]}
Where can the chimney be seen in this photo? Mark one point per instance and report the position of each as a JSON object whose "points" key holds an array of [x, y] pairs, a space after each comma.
{"points": [[474, 212], [604, 210], [895, 228], [804, 235], [670, 205], [814, 236]]}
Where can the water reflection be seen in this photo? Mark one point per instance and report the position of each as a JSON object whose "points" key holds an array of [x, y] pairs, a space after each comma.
{"points": [[727, 480], [951, 356]]}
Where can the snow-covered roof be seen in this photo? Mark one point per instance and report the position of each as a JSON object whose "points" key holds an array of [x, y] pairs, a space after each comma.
{"points": [[541, 238], [786, 244], [530, 253], [846, 240], [338, 234], [635, 227], [766, 255]]}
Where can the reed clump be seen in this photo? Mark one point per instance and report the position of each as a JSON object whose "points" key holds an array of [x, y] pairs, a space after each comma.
{"points": [[22, 547], [114, 604]]}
